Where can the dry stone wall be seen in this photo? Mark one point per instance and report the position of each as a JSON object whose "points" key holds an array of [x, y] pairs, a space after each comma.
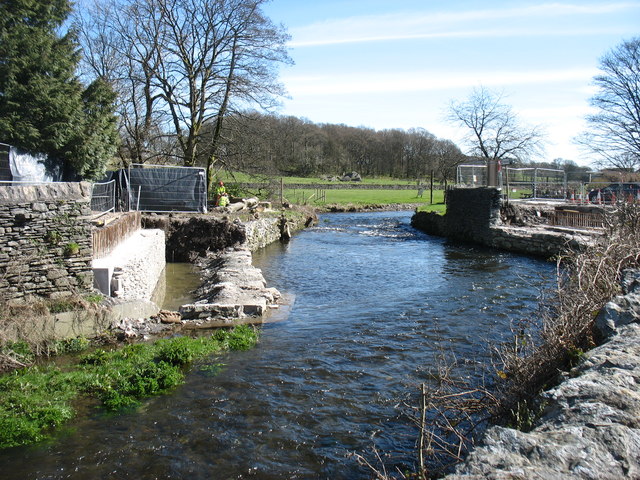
{"points": [[45, 240]]}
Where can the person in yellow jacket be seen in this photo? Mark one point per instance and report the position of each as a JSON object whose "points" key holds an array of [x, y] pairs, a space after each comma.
{"points": [[221, 192]]}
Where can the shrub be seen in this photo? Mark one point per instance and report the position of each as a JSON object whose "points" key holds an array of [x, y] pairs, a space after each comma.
{"points": [[177, 351], [71, 345]]}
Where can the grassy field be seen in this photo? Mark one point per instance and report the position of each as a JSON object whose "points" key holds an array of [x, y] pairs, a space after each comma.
{"points": [[246, 178], [347, 196], [365, 197]]}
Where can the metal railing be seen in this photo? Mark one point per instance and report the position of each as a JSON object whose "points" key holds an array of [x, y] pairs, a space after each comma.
{"points": [[575, 219]]}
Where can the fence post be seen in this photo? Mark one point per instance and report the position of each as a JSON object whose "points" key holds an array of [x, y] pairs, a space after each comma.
{"points": [[431, 189]]}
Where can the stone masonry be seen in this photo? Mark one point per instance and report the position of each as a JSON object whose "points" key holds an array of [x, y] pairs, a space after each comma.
{"points": [[474, 215], [45, 240]]}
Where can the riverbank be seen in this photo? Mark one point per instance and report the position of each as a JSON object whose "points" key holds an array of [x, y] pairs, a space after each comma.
{"points": [[590, 426], [586, 425], [233, 292], [37, 399]]}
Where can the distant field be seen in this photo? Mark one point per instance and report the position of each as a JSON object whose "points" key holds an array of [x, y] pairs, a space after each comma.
{"points": [[347, 196], [245, 178], [366, 197]]}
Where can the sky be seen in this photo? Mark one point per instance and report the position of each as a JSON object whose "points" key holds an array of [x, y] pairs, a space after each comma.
{"points": [[399, 64]]}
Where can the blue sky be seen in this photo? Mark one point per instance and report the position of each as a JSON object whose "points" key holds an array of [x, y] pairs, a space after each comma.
{"points": [[399, 64]]}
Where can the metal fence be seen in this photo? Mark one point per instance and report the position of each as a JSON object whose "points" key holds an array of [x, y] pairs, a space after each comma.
{"points": [[527, 182], [103, 197], [162, 188], [535, 183], [471, 175], [574, 219]]}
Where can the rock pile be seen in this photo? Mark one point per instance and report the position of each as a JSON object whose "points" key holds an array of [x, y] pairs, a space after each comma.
{"points": [[232, 289]]}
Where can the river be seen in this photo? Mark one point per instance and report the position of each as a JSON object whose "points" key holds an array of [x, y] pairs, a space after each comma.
{"points": [[374, 301]]}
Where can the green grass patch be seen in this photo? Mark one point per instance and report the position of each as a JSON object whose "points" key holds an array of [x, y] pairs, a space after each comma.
{"points": [[238, 177], [35, 399], [436, 207], [363, 197]]}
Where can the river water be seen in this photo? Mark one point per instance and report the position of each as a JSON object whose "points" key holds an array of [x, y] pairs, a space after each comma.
{"points": [[374, 303]]}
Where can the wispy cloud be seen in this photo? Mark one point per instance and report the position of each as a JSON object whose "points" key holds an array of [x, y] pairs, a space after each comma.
{"points": [[413, 25], [426, 81]]}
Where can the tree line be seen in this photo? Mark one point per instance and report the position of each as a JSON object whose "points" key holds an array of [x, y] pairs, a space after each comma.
{"points": [[287, 145]]}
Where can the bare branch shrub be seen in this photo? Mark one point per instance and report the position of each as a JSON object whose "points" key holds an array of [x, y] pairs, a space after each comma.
{"points": [[453, 412], [27, 329], [586, 281]]}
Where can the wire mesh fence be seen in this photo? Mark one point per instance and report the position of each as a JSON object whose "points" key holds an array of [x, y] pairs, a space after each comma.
{"points": [[471, 176], [527, 182], [535, 183], [103, 197]]}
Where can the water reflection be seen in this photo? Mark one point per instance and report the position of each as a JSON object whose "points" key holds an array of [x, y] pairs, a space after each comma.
{"points": [[176, 285]]}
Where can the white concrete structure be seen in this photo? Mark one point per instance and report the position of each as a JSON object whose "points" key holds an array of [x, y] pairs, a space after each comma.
{"points": [[131, 271]]}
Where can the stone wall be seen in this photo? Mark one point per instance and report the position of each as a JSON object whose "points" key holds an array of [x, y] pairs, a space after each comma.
{"points": [[471, 212], [477, 215], [262, 232], [45, 240], [193, 236], [590, 428], [531, 241]]}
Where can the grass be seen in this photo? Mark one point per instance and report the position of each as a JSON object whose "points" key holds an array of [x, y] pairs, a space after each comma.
{"points": [[344, 196], [36, 399], [237, 177], [364, 197]]}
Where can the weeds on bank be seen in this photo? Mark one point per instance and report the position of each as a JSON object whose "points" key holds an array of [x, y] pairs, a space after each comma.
{"points": [[27, 330], [35, 399], [586, 282], [452, 412]]}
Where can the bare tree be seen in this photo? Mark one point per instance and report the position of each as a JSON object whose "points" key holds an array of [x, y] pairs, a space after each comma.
{"points": [[446, 158], [494, 131], [187, 63], [614, 131]]}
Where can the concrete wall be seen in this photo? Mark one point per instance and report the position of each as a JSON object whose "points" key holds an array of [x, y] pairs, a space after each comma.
{"points": [[131, 271], [38, 224]]}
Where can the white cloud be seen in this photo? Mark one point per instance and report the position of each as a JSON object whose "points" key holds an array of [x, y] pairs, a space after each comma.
{"points": [[415, 25], [426, 81]]}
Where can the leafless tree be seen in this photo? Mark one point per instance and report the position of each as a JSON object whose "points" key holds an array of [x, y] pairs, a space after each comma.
{"points": [[494, 131], [446, 158], [614, 130], [184, 64]]}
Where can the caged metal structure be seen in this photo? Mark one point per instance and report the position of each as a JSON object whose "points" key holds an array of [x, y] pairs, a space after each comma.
{"points": [[528, 182]]}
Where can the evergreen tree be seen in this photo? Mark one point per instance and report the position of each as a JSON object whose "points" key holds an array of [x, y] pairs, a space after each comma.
{"points": [[43, 106]]}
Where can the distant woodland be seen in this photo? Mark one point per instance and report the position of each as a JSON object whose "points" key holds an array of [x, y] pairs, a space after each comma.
{"points": [[287, 145]]}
